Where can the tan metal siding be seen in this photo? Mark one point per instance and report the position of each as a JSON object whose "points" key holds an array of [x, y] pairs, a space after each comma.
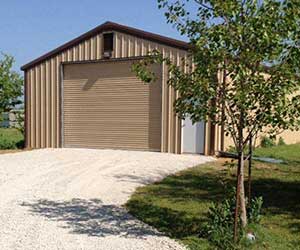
{"points": [[38, 106], [44, 121], [57, 100], [32, 103], [289, 137], [27, 109], [99, 47], [48, 104], [43, 108], [52, 107]]}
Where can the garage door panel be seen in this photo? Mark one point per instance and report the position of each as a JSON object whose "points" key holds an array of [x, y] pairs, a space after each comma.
{"points": [[106, 106], [107, 126], [137, 106], [117, 141]]}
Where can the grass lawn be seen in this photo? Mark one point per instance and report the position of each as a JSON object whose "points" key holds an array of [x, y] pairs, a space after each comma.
{"points": [[285, 152], [178, 205], [10, 139]]}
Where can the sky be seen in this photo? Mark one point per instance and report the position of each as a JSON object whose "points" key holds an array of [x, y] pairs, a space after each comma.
{"points": [[31, 28]]}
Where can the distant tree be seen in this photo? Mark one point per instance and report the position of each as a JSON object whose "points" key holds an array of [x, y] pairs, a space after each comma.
{"points": [[11, 85], [254, 48]]}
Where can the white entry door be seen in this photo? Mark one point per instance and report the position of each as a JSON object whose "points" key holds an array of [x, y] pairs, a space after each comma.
{"points": [[193, 137]]}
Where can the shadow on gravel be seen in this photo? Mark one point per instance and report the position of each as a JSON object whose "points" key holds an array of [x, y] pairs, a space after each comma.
{"points": [[142, 180], [91, 217]]}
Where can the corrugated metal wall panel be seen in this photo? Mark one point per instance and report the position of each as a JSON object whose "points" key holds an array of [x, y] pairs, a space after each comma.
{"points": [[48, 104], [42, 94], [44, 89], [57, 97], [38, 106], [31, 97], [52, 107], [28, 108]]}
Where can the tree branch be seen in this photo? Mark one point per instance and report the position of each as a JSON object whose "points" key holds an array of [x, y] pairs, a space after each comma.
{"points": [[204, 5], [234, 133]]}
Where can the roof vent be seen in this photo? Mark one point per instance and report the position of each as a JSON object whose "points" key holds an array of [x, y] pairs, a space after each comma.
{"points": [[108, 45], [107, 54]]}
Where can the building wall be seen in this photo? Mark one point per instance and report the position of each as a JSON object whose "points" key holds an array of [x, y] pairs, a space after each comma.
{"points": [[43, 89], [289, 137]]}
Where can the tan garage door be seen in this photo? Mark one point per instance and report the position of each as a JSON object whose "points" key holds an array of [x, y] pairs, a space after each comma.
{"points": [[106, 106]]}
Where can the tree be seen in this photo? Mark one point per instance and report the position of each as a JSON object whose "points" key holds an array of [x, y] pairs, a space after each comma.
{"points": [[246, 55], [11, 85]]}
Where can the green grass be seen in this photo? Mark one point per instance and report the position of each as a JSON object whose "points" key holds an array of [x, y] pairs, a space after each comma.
{"points": [[10, 138], [286, 152], [178, 205]]}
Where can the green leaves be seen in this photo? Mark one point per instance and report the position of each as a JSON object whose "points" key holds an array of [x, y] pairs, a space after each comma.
{"points": [[246, 55], [142, 72], [11, 84]]}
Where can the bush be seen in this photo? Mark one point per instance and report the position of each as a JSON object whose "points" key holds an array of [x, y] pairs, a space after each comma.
{"points": [[11, 138], [254, 210], [281, 142], [6, 143], [219, 228], [267, 142], [20, 144]]}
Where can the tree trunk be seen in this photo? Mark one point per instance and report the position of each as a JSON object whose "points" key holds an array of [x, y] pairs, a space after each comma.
{"points": [[250, 170], [237, 204], [242, 192], [240, 205]]}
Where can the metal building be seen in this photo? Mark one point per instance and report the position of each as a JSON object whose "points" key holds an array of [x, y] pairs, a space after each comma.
{"points": [[84, 94]]}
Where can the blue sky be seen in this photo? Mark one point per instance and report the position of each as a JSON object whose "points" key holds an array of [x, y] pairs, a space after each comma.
{"points": [[30, 28]]}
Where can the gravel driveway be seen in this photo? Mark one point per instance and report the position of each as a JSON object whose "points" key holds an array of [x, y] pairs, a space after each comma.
{"points": [[72, 198]]}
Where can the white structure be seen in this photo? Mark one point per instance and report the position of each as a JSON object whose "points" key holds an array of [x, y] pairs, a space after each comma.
{"points": [[193, 137]]}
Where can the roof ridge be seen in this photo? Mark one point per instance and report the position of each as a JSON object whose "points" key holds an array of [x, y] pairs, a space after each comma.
{"points": [[108, 25]]}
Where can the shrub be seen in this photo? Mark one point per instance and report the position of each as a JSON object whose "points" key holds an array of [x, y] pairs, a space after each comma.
{"points": [[6, 143], [219, 228], [281, 142], [11, 138], [20, 144], [267, 142], [254, 210]]}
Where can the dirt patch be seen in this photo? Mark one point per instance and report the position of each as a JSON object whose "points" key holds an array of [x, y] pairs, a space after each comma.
{"points": [[10, 151]]}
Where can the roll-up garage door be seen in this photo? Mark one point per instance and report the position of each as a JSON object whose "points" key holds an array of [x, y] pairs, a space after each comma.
{"points": [[104, 105]]}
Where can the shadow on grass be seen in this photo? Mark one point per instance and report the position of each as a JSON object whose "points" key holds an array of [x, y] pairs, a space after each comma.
{"points": [[280, 197], [295, 228], [91, 217], [163, 204], [178, 204]]}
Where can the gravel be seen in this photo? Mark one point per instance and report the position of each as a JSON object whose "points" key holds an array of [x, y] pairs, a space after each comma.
{"points": [[72, 198]]}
